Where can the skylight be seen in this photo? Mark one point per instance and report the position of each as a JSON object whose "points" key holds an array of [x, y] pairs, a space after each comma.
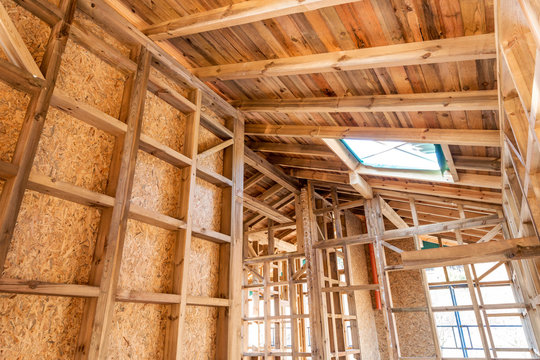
{"points": [[396, 154]]}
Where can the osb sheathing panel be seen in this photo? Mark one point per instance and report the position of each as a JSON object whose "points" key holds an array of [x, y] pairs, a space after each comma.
{"points": [[38, 327], [203, 268], [12, 109], [207, 205], [86, 78], [156, 185], [74, 152], [364, 307], [53, 240], [143, 341], [147, 259], [413, 329], [200, 333], [163, 122]]}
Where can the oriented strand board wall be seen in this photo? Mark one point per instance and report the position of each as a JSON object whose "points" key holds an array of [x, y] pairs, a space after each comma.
{"points": [[414, 331], [54, 239], [364, 307]]}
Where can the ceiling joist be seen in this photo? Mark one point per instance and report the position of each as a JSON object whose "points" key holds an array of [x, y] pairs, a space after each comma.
{"points": [[404, 186], [235, 14], [414, 135], [446, 101], [425, 52]]}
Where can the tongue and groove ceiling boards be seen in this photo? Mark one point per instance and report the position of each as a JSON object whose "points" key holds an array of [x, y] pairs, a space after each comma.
{"points": [[423, 67]]}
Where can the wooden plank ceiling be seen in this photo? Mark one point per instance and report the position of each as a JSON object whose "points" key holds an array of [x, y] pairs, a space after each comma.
{"points": [[251, 55]]}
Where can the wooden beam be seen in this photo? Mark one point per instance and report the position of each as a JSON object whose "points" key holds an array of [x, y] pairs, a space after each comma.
{"points": [[115, 238], [264, 209], [465, 179], [229, 322], [279, 244], [375, 228], [423, 52], [392, 215], [477, 163], [310, 164], [444, 101], [175, 328], [359, 184], [27, 144], [450, 162], [492, 251], [293, 149], [18, 78], [490, 198], [414, 135], [408, 232], [233, 15], [271, 171], [14, 46], [253, 180], [278, 204], [445, 191]]}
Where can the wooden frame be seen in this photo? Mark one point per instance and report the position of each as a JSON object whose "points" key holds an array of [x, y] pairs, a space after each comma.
{"points": [[102, 292]]}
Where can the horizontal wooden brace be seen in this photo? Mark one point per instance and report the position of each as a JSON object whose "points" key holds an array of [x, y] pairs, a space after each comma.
{"points": [[491, 251], [395, 234], [32, 287]]}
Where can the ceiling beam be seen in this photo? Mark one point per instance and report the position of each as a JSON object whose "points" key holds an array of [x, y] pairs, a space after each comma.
{"points": [[492, 251], [392, 215], [415, 135], [291, 149], [487, 181], [446, 191], [276, 174], [444, 101], [279, 244], [311, 164], [405, 186], [235, 14], [423, 52], [359, 184], [450, 162], [477, 163], [263, 208]]}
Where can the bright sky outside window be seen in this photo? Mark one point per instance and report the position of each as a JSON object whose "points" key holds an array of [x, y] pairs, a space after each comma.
{"points": [[395, 154]]}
